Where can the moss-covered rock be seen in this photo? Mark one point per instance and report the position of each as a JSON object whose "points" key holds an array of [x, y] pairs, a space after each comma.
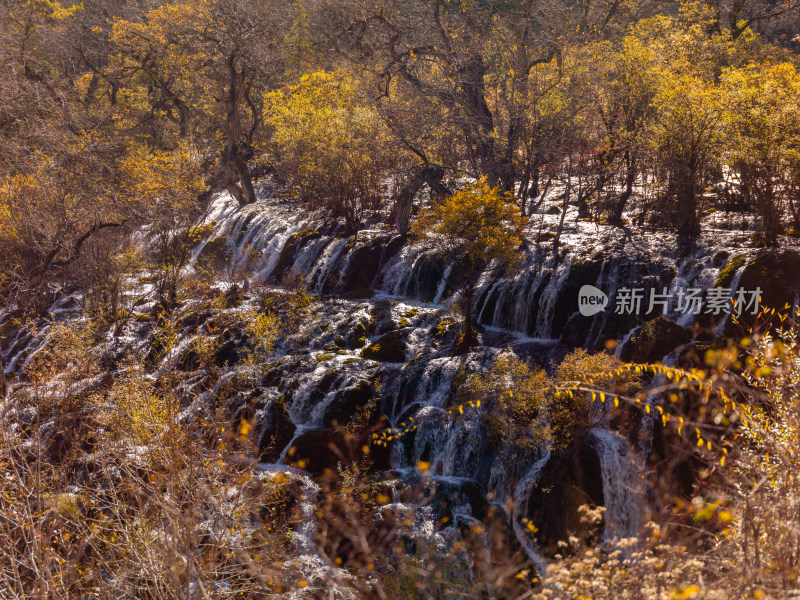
{"points": [[653, 340], [347, 402], [776, 276], [390, 347], [214, 255], [8, 330], [720, 258], [726, 274], [767, 272], [444, 326], [357, 338]]}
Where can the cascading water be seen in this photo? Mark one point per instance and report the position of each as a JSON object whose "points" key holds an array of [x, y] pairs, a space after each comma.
{"points": [[272, 238], [622, 484], [522, 492]]}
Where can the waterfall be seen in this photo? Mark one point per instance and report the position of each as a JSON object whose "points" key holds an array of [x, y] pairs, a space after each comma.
{"points": [[311, 244], [547, 302], [324, 267], [622, 484], [442, 284], [411, 294], [308, 560], [522, 492]]}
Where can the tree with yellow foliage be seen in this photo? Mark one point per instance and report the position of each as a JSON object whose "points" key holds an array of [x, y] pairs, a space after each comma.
{"points": [[210, 61], [329, 145], [763, 128], [478, 227]]}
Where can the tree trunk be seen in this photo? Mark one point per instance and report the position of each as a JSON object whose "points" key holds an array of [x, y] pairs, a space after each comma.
{"points": [[686, 202], [3, 386], [794, 207], [430, 174], [770, 227], [479, 116], [534, 189], [564, 208], [615, 217], [237, 175]]}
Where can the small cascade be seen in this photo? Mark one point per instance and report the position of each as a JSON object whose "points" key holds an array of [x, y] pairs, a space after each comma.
{"points": [[308, 560], [395, 279], [324, 267], [442, 284], [548, 299], [498, 483], [622, 484], [522, 492]]}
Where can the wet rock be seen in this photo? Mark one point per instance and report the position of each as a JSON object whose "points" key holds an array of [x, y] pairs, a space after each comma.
{"points": [[316, 450], [8, 329], [576, 331], [720, 258], [357, 337], [390, 347], [347, 402], [456, 494], [455, 281], [425, 277], [276, 371], [564, 486], [654, 340], [777, 276], [277, 430], [581, 273], [790, 264], [767, 272], [290, 250], [727, 273], [365, 262]]}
